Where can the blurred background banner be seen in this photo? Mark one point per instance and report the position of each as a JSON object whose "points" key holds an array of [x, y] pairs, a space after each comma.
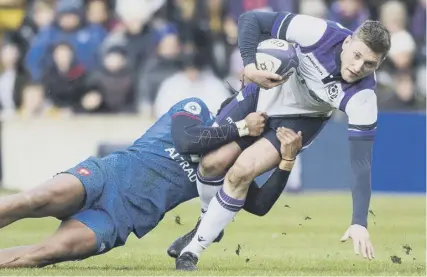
{"points": [[86, 77], [399, 159]]}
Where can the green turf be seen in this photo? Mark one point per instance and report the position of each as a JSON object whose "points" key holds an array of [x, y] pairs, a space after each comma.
{"points": [[285, 242]]}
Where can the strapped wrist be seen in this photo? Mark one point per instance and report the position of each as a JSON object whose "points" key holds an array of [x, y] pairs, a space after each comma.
{"points": [[288, 160], [242, 128], [286, 165]]}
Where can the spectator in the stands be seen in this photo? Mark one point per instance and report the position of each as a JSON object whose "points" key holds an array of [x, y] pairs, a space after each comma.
{"points": [[65, 78], [99, 12], [70, 27], [34, 103], [41, 16], [418, 30], [196, 80], [349, 13], [112, 86], [12, 78], [135, 33], [163, 64], [404, 97]]}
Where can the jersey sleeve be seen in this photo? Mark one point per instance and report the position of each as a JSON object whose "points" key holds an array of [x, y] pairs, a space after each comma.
{"points": [[193, 133], [304, 30], [361, 109], [362, 112]]}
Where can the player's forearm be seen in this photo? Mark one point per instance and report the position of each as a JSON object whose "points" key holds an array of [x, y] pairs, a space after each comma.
{"points": [[251, 26], [191, 137], [361, 160], [260, 200]]}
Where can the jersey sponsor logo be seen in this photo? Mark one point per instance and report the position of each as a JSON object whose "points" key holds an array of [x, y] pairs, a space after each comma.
{"points": [[185, 165], [315, 65], [332, 92], [83, 171], [193, 108]]}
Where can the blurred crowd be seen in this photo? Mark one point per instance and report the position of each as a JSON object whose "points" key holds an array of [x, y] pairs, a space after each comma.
{"points": [[65, 57]]}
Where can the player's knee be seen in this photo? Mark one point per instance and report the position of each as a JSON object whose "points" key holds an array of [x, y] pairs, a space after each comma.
{"points": [[241, 174], [212, 166]]}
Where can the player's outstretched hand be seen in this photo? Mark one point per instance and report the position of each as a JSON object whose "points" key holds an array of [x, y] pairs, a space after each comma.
{"points": [[264, 79], [256, 123], [361, 240], [290, 143]]}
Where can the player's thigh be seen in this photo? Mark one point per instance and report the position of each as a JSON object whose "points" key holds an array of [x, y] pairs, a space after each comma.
{"points": [[70, 191], [310, 127], [62, 195], [254, 161]]}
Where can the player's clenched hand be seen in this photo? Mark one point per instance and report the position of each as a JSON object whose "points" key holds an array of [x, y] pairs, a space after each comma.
{"points": [[290, 143], [264, 79], [256, 123], [361, 240]]}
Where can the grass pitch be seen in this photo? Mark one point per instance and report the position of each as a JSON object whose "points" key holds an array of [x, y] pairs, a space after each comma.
{"points": [[300, 236]]}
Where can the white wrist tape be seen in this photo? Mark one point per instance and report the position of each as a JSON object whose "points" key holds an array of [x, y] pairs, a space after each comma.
{"points": [[242, 127]]}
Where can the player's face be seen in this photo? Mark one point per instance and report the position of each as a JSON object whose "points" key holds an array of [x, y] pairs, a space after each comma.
{"points": [[357, 60]]}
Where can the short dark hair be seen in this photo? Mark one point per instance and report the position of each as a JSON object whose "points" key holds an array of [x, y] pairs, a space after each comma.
{"points": [[375, 35]]}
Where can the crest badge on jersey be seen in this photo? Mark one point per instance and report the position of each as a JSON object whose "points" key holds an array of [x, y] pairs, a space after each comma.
{"points": [[332, 91], [193, 108]]}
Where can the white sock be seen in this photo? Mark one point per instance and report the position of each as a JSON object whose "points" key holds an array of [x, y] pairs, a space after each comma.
{"points": [[207, 190], [221, 212]]}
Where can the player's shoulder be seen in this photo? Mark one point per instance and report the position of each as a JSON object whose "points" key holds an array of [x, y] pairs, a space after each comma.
{"points": [[332, 35], [337, 28], [361, 93], [193, 105]]}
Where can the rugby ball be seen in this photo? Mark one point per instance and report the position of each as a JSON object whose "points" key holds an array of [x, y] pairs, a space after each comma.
{"points": [[277, 56]]}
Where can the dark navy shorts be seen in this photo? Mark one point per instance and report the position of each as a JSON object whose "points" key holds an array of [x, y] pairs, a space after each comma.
{"points": [[245, 103]]}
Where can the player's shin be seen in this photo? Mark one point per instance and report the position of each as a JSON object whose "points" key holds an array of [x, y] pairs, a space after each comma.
{"points": [[221, 212], [207, 188]]}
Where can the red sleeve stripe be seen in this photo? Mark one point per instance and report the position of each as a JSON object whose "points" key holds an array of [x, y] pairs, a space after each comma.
{"points": [[187, 115]]}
